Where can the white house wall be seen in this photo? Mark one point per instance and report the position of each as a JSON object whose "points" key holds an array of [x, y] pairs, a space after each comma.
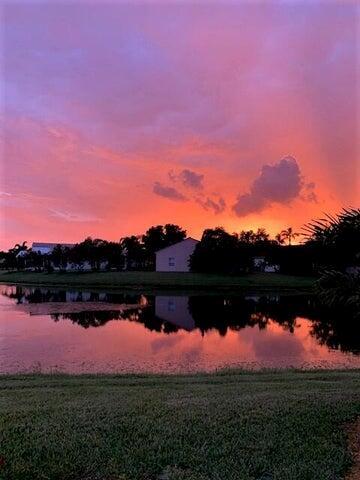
{"points": [[176, 257]]}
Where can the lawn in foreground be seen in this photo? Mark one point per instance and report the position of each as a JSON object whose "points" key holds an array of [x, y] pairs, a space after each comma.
{"points": [[163, 280], [283, 426]]}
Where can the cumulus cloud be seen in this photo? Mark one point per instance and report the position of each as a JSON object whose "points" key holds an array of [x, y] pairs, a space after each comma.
{"points": [[278, 183], [210, 204], [188, 178], [168, 192]]}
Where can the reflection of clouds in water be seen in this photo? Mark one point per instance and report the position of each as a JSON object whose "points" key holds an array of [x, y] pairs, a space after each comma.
{"points": [[164, 343], [184, 348], [270, 345], [278, 345], [193, 354]]}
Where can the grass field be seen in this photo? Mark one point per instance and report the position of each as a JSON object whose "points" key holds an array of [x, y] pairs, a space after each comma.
{"points": [[232, 425], [161, 280]]}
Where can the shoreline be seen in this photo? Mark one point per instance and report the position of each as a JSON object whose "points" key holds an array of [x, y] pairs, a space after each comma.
{"points": [[230, 372], [167, 282]]}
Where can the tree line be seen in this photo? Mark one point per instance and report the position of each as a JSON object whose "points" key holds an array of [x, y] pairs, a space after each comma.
{"points": [[329, 243], [332, 242], [130, 253]]}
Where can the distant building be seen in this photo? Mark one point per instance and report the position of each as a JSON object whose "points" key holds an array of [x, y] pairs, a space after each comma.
{"points": [[175, 258], [46, 248], [22, 253], [261, 264]]}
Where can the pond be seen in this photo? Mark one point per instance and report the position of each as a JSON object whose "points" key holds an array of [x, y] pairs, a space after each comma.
{"points": [[48, 329]]}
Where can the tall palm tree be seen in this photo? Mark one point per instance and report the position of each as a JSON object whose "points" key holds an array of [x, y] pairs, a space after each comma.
{"points": [[289, 235]]}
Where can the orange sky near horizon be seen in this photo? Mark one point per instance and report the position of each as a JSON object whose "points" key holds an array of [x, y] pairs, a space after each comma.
{"points": [[117, 117]]}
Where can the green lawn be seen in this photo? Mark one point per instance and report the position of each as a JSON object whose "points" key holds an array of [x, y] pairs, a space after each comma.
{"points": [[226, 426], [154, 280]]}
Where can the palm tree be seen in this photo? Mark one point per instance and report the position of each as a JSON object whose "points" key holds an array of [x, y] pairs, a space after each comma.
{"points": [[279, 239], [339, 289], [19, 248], [336, 239], [289, 235]]}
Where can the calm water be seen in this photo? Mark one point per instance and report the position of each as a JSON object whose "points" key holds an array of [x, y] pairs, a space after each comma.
{"points": [[45, 329]]}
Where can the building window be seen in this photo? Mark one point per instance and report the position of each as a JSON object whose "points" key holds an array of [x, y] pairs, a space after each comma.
{"points": [[171, 261]]}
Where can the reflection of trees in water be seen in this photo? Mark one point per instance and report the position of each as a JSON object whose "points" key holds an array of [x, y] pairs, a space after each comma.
{"points": [[335, 329], [99, 318], [29, 295], [88, 319], [43, 295], [237, 313]]}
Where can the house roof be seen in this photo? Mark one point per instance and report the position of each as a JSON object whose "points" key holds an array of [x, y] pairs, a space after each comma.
{"points": [[51, 245], [177, 243]]}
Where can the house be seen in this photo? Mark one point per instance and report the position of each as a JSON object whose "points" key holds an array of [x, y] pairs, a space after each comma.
{"points": [[262, 264], [46, 248], [22, 253], [176, 257]]}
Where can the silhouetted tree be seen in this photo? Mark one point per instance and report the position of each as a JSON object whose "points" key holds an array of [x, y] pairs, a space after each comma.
{"points": [[279, 239], [173, 234], [99, 253], [158, 237], [60, 256], [134, 253], [340, 290], [14, 258], [335, 239], [288, 235], [113, 253], [250, 237], [34, 260], [217, 252], [19, 248]]}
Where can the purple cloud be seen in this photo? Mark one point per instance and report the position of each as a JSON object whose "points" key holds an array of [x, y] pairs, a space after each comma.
{"points": [[279, 183], [168, 192], [192, 179], [209, 204], [309, 194], [188, 178]]}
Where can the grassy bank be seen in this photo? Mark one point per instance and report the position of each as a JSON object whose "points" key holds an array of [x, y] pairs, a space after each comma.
{"points": [[161, 280], [243, 426]]}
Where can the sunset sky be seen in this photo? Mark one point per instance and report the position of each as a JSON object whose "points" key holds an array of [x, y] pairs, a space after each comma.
{"points": [[119, 116]]}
